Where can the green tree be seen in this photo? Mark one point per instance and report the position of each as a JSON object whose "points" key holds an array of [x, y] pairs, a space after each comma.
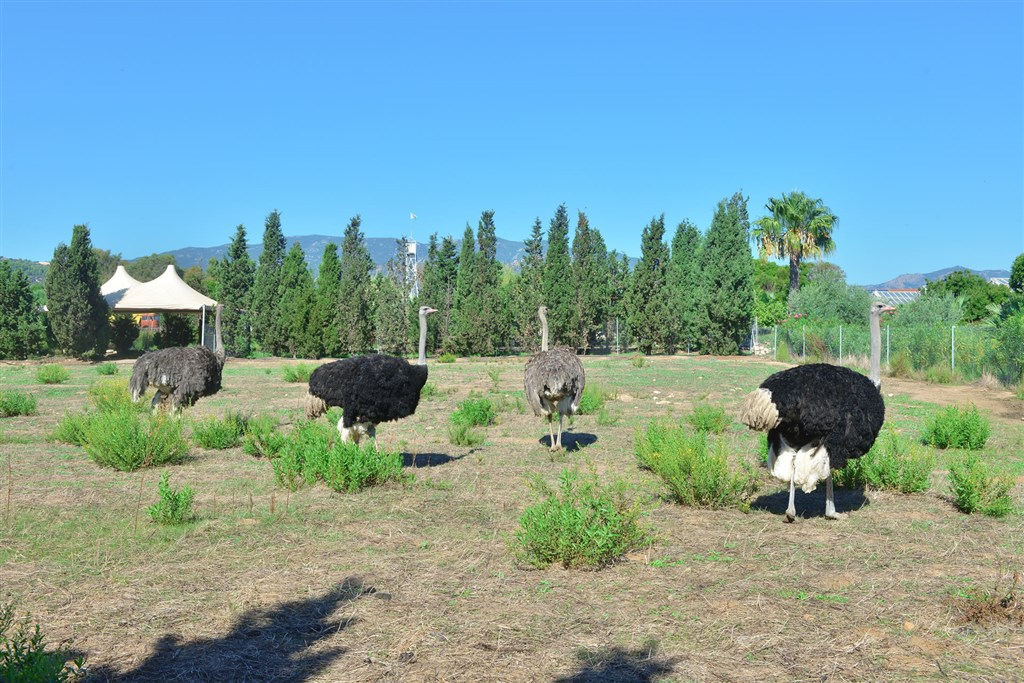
{"points": [[151, 267], [728, 272], [463, 305], [22, 332], [478, 305], [558, 294], [295, 297], [325, 312], [1017, 275], [106, 263], [976, 292], [354, 311], [440, 273], [771, 289], [264, 304], [391, 319], [527, 293], [798, 227], [685, 294], [827, 297], [646, 309], [237, 273], [618, 291], [78, 312], [589, 283]]}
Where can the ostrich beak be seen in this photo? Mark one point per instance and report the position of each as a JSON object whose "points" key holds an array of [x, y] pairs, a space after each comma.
{"points": [[888, 309], [434, 310]]}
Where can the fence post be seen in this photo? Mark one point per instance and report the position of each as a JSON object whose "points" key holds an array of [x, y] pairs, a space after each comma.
{"points": [[952, 348], [803, 344], [840, 344], [886, 346], [775, 344], [617, 335]]}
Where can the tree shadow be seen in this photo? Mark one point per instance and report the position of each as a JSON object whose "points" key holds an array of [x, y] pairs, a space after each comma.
{"points": [[809, 505], [418, 460], [571, 441], [263, 645], [618, 665]]}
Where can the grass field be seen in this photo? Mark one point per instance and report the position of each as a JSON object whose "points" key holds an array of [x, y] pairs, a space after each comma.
{"points": [[415, 581]]}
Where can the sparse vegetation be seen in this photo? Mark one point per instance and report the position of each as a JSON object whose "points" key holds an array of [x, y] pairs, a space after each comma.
{"points": [[23, 655], [709, 419], [174, 506], [52, 374], [220, 433], [891, 464], [298, 372], [111, 394], [107, 368], [975, 488], [637, 360], [475, 411], [446, 358], [957, 427], [14, 403], [464, 435], [127, 441], [313, 454], [263, 438], [594, 398]]}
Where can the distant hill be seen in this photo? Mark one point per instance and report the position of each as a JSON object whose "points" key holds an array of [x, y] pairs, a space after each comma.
{"points": [[916, 280], [35, 272]]}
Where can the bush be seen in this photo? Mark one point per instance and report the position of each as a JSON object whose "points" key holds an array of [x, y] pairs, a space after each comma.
{"points": [[23, 655], [695, 475], [939, 374], [974, 489], [13, 403], [957, 428], [637, 360], [900, 365], [175, 506], [127, 441], [474, 412], [109, 395], [312, 454], [220, 433], [891, 464], [705, 418], [71, 428], [606, 419], [581, 524], [464, 435], [107, 368], [297, 373], [52, 374], [495, 375], [123, 333], [446, 358], [593, 399], [262, 438]]}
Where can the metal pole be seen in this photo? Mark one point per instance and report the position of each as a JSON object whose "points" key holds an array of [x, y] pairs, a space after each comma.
{"points": [[840, 344], [803, 342], [952, 348], [202, 325], [886, 346], [775, 344]]}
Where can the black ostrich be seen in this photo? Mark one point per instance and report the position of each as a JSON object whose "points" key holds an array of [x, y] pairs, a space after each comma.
{"points": [[370, 389], [818, 417], [180, 374]]}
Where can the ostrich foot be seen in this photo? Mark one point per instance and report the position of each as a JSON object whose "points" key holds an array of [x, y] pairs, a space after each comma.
{"points": [[791, 510], [830, 501]]}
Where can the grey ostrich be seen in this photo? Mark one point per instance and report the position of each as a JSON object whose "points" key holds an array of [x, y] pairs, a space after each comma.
{"points": [[818, 417], [179, 374], [370, 389], [553, 381]]}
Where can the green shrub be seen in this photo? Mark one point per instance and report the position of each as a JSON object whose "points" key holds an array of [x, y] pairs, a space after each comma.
{"points": [[464, 435], [495, 375], [13, 403], [475, 412], [107, 368], [109, 395], [637, 360], [71, 428], [313, 454], [957, 428], [695, 474], [705, 418], [593, 399], [504, 403], [446, 358], [23, 655], [127, 441], [607, 419], [891, 464], [581, 524], [900, 365], [975, 489], [262, 438], [299, 372], [220, 433], [123, 333], [175, 506], [939, 374], [52, 374]]}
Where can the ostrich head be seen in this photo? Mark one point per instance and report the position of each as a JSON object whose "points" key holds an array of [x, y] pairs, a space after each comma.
{"points": [[875, 367], [425, 310], [880, 307]]}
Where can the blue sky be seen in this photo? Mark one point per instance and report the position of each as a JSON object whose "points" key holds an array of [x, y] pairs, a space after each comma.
{"points": [[166, 124]]}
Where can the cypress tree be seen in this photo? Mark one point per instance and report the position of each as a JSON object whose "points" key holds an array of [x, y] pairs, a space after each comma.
{"points": [[354, 310], [527, 294], [589, 282], [431, 293], [645, 306], [78, 312], [618, 290], [392, 303], [22, 332], [558, 286], [237, 273], [325, 310], [295, 297], [265, 309], [447, 272], [463, 304], [487, 288], [728, 274], [685, 294]]}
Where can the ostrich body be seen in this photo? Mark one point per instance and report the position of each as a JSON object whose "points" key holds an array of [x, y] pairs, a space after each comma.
{"points": [[370, 389], [818, 417], [553, 381], [179, 374]]}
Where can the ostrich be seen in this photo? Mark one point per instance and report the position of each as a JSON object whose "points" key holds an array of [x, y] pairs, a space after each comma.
{"points": [[553, 381], [370, 389], [817, 417], [180, 374]]}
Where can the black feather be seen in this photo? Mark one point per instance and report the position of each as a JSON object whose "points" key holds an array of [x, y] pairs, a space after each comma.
{"points": [[180, 374], [824, 403], [375, 388]]}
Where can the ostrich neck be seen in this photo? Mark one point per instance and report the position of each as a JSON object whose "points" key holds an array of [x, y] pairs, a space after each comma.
{"points": [[423, 340], [543, 332], [875, 371]]}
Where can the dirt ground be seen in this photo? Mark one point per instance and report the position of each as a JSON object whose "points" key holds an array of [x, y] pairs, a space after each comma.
{"points": [[418, 581]]}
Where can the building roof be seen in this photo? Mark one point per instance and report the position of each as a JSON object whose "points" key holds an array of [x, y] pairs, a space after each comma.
{"points": [[166, 293], [1004, 281], [896, 297]]}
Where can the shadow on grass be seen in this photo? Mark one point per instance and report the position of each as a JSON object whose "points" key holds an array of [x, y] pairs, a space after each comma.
{"points": [[618, 665], [275, 644], [571, 441], [810, 504], [427, 459]]}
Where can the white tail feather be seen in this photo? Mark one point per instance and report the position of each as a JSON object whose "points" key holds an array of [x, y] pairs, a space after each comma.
{"points": [[758, 412]]}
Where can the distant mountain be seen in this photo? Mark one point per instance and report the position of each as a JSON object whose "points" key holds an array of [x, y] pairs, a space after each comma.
{"points": [[35, 272], [916, 280]]}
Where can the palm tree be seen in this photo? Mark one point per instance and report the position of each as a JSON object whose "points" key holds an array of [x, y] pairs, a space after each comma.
{"points": [[797, 227]]}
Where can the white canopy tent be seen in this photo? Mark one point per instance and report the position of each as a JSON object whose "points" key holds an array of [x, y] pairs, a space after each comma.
{"points": [[166, 294]]}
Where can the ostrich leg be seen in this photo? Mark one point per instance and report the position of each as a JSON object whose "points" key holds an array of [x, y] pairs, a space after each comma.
{"points": [[551, 434], [560, 431], [830, 501], [791, 510]]}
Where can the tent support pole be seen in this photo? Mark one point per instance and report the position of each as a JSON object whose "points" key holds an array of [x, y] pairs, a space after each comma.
{"points": [[202, 326]]}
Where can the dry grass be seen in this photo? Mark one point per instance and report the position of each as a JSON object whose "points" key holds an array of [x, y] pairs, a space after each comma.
{"points": [[416, 581]]}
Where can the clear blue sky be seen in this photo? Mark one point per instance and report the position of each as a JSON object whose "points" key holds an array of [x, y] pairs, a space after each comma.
{"points": [[165, 124]]}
